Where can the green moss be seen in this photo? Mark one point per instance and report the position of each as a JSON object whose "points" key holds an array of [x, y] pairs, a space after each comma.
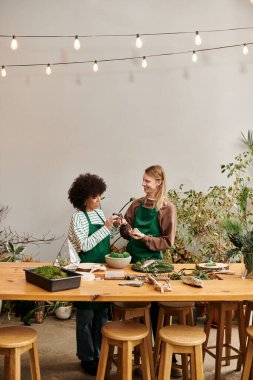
{"points": [[50, 272]]}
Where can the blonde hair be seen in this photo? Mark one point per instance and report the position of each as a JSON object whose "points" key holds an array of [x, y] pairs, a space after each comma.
{"points": [[157, 172]]}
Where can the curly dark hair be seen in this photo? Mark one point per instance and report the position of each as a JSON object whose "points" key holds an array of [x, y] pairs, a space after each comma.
{"points": [[84, 186]]}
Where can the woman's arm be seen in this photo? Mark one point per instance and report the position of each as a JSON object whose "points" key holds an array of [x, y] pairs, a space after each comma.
{"points": [[79, 231], [129, 217]]}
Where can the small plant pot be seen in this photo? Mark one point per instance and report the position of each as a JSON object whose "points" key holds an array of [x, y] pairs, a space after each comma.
{"points": [[39, 316], [63, 312]]}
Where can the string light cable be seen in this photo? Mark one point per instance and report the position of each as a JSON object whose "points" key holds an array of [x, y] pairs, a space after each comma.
{"points": [[142, 58]]}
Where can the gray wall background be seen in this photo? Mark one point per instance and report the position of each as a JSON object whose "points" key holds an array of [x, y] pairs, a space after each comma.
{"points": [[184, 116]]}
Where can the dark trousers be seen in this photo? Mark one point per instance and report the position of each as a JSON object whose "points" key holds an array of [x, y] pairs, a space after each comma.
{"points": [[88, 332]]}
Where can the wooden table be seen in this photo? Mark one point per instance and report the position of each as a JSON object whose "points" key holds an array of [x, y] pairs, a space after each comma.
{"points": [[13, 286]]}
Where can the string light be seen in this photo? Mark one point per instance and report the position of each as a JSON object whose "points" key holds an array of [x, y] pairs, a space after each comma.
{"points": [[48, 69], [194, 56], [138, 42], [77, 44], [245, 49], [95, 67], [166, 54], [144, 62], [14, 43], [3, 72], [198, 40]]}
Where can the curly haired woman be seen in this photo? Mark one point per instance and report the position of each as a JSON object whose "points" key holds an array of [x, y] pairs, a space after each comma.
{"points": [[89, 233]]}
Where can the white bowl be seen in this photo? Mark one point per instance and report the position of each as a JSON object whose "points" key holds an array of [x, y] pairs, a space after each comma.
{"points": [[119, 263]]}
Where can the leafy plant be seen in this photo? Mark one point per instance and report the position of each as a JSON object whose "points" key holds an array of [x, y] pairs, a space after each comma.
{"points": [[201, 214], [14, 253]]}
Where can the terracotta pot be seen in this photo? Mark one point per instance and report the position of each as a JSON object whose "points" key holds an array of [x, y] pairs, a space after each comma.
{"points": [[39, 316]]}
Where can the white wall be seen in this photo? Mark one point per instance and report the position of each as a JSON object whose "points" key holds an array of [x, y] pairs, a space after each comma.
{"points": [[122, 119]]}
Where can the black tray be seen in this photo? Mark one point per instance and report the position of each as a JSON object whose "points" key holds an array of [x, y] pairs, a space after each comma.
{"points": [[54, 285]]}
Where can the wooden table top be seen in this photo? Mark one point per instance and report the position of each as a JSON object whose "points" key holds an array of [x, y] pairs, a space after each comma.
{"points": [[13, 286]]}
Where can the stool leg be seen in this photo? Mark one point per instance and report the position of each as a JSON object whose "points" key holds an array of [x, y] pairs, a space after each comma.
{"points": [[207, 327], [219, 341], [157, 347], [193, 364], [126, 360], [248, 361], [149, 343], [6, 367], [228, 332], [119, 364], [145, 363], [109, 361], [242, 335], [34, 362], [103, 359], [182, 321], [15, 367], [165, 361], [198, 362]]}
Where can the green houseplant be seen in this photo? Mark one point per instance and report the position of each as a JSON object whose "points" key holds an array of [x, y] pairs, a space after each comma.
{"points": [[200, 234]]}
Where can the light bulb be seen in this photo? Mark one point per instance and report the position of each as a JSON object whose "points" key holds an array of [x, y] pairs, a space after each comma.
{"points": [[77, 44], [95, 67], [198, 40], [3, 72], [138, 42], [14, 43], [245, 49], [48, 69], [144, 62], [194, 56]]}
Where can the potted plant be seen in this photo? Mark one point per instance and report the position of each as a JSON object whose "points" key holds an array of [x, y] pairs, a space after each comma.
{"points": [[242, 240], [63, 309]]}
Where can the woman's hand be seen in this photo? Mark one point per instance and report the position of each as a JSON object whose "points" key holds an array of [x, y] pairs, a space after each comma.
{"points": [[109, 223], [136, 234], [120, 222]]}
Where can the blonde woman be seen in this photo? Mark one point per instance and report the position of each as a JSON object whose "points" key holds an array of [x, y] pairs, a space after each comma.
{"points": [[151, 220], [150, 226]]}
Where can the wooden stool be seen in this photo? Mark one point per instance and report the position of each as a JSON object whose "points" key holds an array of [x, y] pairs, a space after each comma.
{"points": [[247, 374], [14, 341], [167, 310], [248, 310], [181, 340], [134, 311], [224, 325], [126, 335]]}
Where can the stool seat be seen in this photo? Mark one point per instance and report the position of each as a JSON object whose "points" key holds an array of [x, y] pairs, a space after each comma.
{"points": [[136, 311], [186, 340], [176, 304], [184, 313], [131, 305], [15, 336], [183, 335], [125, 335], [127, 331], [14, 341]]}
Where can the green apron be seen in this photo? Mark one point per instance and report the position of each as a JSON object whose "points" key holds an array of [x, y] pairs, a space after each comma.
{"points": [[146, 220], [95, 255]]}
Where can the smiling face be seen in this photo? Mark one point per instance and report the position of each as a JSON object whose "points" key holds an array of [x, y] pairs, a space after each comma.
{"points": [[150, 185], [92, 202]]}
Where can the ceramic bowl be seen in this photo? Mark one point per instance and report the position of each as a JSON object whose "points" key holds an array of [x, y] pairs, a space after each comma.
{"points": [[119, 263]]}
